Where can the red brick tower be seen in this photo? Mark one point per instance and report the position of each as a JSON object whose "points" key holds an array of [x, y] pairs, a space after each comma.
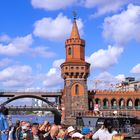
{"points": [[74, 71]]}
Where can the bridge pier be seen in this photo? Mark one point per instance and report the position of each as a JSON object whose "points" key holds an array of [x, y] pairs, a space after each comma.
{"points": [[3, 110], [57, 100]]}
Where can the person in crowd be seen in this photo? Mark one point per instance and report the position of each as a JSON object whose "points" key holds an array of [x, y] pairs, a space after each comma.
{"points": [[17, 125], [11, 130], [87, 133], [35, 134], [118, 137], [45, 127], [3, 123], [23, 133], [61, 134], [69, 132], [106, 131], [28, 126], [52, 135], [19, 129], [72, 133]]}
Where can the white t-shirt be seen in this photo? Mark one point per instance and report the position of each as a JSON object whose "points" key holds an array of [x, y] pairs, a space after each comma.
{"points": [[103, 134], [35, 137]]}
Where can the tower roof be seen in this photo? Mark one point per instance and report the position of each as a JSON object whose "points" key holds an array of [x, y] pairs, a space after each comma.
{"points": [[75, 32]]}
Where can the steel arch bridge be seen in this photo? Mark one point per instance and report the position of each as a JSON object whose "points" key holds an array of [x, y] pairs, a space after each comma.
{"points": [[12, 96]]}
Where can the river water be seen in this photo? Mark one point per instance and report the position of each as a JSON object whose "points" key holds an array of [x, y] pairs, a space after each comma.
{"points": [[30, 118]]}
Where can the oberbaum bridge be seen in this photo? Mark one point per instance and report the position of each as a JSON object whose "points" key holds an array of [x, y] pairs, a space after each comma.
{"points": [[75, 98]]}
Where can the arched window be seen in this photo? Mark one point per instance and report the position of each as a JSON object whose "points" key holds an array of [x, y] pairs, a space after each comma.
{"points": [[77, 89], [69, 51]]}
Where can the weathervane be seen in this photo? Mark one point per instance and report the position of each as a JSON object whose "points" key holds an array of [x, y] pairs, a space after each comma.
{"points": [[74, 15]]}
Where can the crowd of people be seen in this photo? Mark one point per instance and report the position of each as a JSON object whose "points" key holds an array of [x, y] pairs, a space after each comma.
{"points": [[24, 130]]}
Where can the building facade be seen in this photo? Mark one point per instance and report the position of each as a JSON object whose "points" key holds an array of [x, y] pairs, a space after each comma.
{"points": [[124, 102], [130, 84], [76, 99]]}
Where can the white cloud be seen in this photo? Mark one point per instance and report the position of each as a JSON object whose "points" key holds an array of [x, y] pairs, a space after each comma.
{"points": [[136, 69], [17, 46], [23, 45], [120, 77], [105, 80], [21, 77], [104, 59], [52, 4], [16, 76], [5, 38], [42, 51], [57, 63], [53, 77], [105, 6], [119, 29], [55, 29], [105, 77], [5, 62], [51, 72], [122, 28]]}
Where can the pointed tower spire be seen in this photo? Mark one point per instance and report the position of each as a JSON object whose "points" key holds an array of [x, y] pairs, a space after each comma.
{"points": [[75, 32]]}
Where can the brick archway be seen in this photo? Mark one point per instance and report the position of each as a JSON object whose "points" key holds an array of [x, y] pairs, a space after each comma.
{"points": [[98, 101], [113, 103], [121, 103], [130, 103], [105, 103], [137, 103]]}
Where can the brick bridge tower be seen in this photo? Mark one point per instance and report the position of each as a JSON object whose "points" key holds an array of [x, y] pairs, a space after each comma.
{"points": [[74, 71]]}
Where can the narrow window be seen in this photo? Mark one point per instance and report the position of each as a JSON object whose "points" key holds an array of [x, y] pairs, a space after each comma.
{"points": [[69, 51], [77, 89]]}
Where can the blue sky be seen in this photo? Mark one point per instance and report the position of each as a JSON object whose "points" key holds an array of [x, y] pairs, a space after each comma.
{"points": [[33, 32]]}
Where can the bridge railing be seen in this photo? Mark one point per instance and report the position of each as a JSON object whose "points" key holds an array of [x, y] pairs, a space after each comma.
{"points": [[109, 113], [30, 90]]}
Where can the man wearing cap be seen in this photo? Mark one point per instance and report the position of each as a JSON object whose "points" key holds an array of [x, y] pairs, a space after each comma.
{"points": [[73, 134], [87, 133], [70, 131]]}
